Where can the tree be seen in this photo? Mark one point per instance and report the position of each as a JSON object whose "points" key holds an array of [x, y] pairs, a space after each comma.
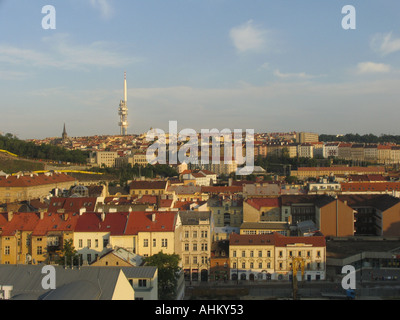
{"points": [[168, 270], [68, 253]]}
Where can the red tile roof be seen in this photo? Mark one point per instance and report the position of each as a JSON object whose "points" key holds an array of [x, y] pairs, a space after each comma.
{"points": [[21, 221], [244, 239], [258, 203], [216, 189], [34, 180], [315, 241], [72, 204], [370, 186], [56, 222], [114, 222], [141, 221]]}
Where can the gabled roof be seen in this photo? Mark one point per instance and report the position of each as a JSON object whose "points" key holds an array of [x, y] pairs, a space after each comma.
{"points": [[245, 239], [259, 203], [34, 180], [55, 222], [141, 221], [72, 204], [315, 241], [114, 222], [21, 221]]}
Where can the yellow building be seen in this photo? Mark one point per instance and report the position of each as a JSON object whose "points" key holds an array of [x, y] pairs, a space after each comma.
{"points": [[193, 244], [18, 188], [251, 257], [16, 237], [143, 187], [261, 209], [265, 227], [152, 232], [312, 252]]}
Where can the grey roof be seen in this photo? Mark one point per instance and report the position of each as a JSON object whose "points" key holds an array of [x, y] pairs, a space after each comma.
{"points": [[85, 283], [146, 272], [193, 217], [265, 225]]}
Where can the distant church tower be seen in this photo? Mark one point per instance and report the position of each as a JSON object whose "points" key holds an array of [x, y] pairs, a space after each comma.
{"points": [[64, 135], [123, 112]]}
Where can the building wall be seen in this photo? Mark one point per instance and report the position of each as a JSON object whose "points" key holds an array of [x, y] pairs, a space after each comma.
{"points": [[326, 219], [390, 221], [14, 249], [247, 260], [155, 243], [123, 290], [96, 248], [314, 261], [251, 214]]}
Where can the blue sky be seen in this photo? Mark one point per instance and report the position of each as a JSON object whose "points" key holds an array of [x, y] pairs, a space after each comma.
{"points": [[271, 66]]}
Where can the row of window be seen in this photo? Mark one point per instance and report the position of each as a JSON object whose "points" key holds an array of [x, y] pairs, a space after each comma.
{"points": [[164, 243], [203, 234], [204, 247], [196, 260], [280, 254], [89, 243], [268, 265]]}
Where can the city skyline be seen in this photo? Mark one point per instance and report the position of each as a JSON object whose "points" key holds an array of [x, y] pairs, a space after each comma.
{"points": [[268, 66]]}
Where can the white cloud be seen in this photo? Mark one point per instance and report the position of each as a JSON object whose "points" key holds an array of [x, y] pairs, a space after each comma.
{"points": [[60, 52], [248, 37], [104, 7], [372, 67], [385, 43], [300, 75]]}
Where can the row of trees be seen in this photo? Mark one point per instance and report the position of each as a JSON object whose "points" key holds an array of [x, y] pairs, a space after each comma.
{"points": [[366, 138], [30, 150], [128, 172]]}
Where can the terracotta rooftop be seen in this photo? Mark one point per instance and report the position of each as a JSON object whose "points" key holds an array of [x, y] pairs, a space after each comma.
{"points": [[141, 221], [34, 180]]}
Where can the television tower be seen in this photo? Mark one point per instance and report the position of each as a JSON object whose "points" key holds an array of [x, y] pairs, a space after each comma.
{"points": [[123, 111]]}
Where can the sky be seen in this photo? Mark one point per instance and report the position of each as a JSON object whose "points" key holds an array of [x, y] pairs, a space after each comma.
{"points": [[271, 66]]}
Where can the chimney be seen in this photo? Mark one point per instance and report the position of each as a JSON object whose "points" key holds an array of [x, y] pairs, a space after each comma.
{"points": [[41, 214], [103, 216], [10, 215], [65, 216], [153, 217], [81, 211]]}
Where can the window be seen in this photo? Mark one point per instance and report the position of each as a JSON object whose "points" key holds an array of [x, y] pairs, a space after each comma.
{"points": [[260, 254], [251, 254], [244, 265], [39, 250], [105, 243], [164, 243], [154, 243], [186, 246], [268, 254], [243, 254], [319, 254], [96, 243], [280, 254], [251, 265], [7, 250], [194, 234], [234, 265], [89, 258], [234, 253], [260, 265], [142, 283], [80, 243], [194, 260], [145, 243], [89, 243], [186, 234], [204, 247], [194, 246]]}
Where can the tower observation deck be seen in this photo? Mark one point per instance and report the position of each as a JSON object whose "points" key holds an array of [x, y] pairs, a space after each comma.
{"points": [[123, 111]]}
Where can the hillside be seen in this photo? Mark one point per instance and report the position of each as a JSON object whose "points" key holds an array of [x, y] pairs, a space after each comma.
{"points": [[10, 164]]}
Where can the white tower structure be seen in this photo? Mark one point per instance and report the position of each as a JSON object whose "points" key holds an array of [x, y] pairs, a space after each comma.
{"points": [[123, 111]]}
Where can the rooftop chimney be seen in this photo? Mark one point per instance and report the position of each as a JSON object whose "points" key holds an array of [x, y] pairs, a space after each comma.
{"points": [[153, 217], [10, 215]]}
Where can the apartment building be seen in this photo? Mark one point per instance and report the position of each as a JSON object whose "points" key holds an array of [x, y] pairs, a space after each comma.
{"points": [[252, 257], [24, 187], [194, 244], [103, 158], [311, 251], [262, 209]]}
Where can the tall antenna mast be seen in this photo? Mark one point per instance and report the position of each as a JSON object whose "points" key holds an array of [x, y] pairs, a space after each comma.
{"points": [[123, 111]]}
